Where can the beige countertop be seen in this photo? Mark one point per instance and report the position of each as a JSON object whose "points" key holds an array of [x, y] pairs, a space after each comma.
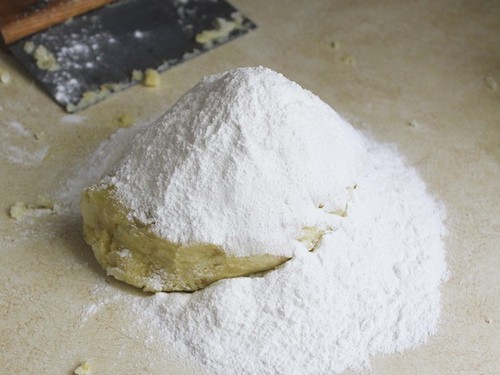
{"points": [[419, 74]]}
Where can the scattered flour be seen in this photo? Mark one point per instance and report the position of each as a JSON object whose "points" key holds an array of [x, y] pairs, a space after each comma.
{"points": [[78, 53], [72, 119], [18, 145], [106, 155], [372, 286], [79, 48]]}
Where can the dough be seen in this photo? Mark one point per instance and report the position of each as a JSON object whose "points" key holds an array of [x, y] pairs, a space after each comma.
{"points": [[130, 252]]}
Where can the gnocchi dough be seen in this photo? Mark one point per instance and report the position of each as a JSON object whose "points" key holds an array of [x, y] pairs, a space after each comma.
{"points": [[132, 253]]}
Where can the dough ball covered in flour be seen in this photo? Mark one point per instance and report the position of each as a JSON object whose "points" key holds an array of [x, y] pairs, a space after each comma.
{"points": [[246, 169]]}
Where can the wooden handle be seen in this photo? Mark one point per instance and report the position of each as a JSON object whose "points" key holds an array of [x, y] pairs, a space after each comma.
{"points": [[21, 18]]}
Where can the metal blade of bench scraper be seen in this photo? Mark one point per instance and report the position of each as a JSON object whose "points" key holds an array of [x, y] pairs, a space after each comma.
{"points": [[97, 52]]}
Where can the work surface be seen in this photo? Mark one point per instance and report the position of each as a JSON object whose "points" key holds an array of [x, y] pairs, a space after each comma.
{"points": [[424, 76]]}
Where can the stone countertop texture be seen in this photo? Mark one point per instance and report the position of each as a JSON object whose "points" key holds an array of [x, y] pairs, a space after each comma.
{"points": [[423, 75]]}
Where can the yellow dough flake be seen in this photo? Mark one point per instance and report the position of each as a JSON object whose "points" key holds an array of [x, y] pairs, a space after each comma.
{"points": [[124, 121], [83, 369], [221, 31], [29, 48], [151, 78], [137, 75], [4, 76], [45, 60], [43, 206], [18, 209]]}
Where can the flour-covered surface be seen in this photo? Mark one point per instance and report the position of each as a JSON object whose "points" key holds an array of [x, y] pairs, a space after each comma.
{"points": [[250, 157], [423, 63], [372, 286]]}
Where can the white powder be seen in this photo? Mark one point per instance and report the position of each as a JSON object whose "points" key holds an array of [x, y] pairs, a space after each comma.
{"points": [[106, 155], [371, 286], [72, 119], [245, 160], [73, 57], [20, 146]]}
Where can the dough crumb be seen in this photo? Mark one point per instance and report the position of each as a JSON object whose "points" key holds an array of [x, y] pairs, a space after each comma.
{"points": [[4, 76], [29, 48], [151, 78], [18, 210], [491, 83], [137, 75], [221, 32], [91, 97], [45, 60], [43, 206], [83, 369], [124, 121]]}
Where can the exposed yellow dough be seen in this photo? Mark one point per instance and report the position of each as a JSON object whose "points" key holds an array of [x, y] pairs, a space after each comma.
{"points": [[131, 252]]}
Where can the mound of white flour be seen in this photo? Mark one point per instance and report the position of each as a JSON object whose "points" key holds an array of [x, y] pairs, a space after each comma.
{"points": [[371, 286], [244, 160]]}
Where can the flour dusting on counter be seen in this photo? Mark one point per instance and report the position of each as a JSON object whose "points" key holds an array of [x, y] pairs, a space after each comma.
{"points": [[371, 286], [20, 146], [96, 165]]}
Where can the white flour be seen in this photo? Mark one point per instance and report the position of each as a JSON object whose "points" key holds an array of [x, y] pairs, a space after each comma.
{"points": [[372, 286], [20, 146], [245, 160]]}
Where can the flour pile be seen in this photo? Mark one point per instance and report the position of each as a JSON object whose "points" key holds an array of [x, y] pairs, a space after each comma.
{"points": [[371, 285], [245, 160]]}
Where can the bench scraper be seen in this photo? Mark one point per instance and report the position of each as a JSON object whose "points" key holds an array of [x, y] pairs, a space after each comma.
{"points": [[86, 57]]}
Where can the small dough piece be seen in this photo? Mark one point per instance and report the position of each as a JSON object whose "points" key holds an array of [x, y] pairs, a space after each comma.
{"points": [[4, 76], [137, 75], [45, 60], [83, 369], [151, 78], [221, 32], [132, 253], [18, 210], [124, 121], [42, 207], [29, 47]]}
